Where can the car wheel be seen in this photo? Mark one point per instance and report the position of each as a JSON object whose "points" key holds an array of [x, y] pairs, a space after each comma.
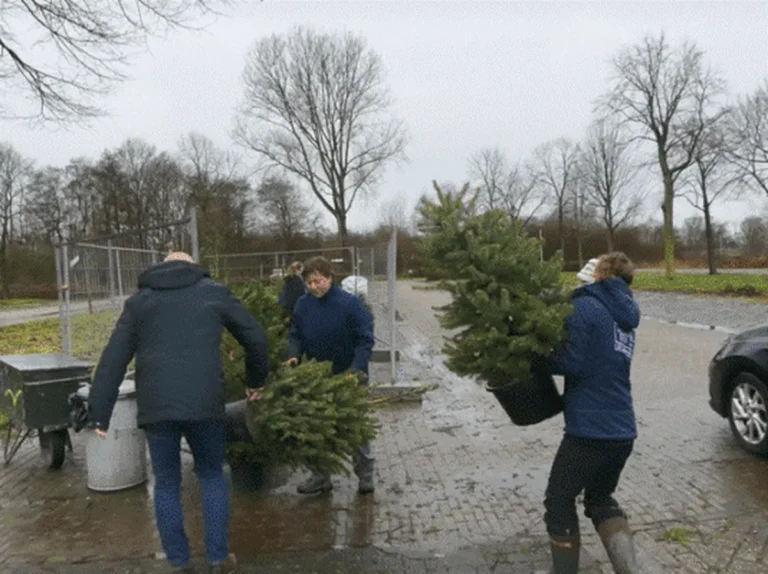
{"points": [[748, 412]]}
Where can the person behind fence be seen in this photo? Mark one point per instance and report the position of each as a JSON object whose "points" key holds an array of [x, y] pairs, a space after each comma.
{"points": [[599, 417], [293, 288], [330, 324], [173, 327]]}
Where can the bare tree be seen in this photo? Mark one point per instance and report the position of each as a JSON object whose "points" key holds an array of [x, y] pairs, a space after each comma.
{"points": [[489, 166], [284, 211], [666, 93], [522, 198], [711, 178], [315, 106], [14, 173], [754, 235], [748, 138], [47, 208], [393, 214], [556, 167], [609, 176], [581, 211], [102, 190], [210, 172], [506, 187], [94, 40], [136, 159]]}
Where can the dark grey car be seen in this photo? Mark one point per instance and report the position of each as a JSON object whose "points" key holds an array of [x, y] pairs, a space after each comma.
{"points": [[738, 386]]}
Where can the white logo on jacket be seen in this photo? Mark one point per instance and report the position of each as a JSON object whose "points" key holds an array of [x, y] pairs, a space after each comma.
{"points": [[623, 341]]}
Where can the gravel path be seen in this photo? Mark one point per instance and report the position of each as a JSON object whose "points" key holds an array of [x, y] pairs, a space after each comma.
{"points": [[722, 313]]}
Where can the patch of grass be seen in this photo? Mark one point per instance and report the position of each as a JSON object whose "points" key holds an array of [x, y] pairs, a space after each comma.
{"points": [[680, 536], [724, 284], [3, 420], [90, 334], [33, 337], [11, 304], [721, 284]]}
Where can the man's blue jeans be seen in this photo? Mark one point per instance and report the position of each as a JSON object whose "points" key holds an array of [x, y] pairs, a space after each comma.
{"points": [[206, 440]]}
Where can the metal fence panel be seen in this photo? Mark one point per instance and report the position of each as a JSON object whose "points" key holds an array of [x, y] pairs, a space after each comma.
{"points": [[95, 277], [272, 265], [378, 264]]}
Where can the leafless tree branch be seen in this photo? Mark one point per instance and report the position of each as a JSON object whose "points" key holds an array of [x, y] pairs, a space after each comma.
{"points": [[92, 40]]}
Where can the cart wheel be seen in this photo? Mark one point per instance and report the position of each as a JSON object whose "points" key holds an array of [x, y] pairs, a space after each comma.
{"points": [[13, 437], [53, 447]]}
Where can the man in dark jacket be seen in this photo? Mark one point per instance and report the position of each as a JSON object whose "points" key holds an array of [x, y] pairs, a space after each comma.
{"points": [[173, 327], [330, 324], [599, 417]]}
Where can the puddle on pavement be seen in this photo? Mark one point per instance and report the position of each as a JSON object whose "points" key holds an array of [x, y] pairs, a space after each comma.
{"points": [[121, 525], [743, 483]]}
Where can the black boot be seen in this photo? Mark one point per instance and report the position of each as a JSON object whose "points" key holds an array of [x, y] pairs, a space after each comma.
{"points": [[617, 539], [565, 554]]}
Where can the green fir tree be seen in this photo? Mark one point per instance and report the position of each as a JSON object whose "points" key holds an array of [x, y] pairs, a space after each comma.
{"points": [[508, 306]]}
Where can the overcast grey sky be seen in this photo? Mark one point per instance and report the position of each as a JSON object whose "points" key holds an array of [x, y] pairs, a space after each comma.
{"points": [[464, 75]]}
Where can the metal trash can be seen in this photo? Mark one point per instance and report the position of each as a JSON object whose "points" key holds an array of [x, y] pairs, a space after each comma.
{"points": [[118, 461]]}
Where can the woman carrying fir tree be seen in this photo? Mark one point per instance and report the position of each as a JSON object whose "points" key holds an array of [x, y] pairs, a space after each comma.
{"points": [[599, 417]]}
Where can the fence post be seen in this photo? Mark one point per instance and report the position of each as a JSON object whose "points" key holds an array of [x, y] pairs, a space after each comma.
{"points": [[353, 258], [67, 342], [60, 288], [391, 287], [193, 235], [373, 264], [87, 273], [119, 274], [111, 265]]}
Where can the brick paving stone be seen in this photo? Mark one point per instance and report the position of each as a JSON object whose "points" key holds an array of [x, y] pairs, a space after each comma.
{"points": [[455, 481]]}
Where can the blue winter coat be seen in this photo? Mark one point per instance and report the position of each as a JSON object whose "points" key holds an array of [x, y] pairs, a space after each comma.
{"points": [[596, 360]]}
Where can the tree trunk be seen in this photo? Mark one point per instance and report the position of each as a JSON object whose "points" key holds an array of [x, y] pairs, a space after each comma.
{"points": [[341, 222], [669, 225], [609, 239], [709, 232], [561, 231], [5, 291], [580, 251]]}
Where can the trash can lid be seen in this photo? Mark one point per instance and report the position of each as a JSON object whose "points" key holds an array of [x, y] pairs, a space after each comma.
{"points": [[128, 388]]}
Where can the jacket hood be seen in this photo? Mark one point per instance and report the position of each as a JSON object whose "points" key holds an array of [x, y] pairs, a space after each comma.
{"points": [[172, 275], [616, 296]]}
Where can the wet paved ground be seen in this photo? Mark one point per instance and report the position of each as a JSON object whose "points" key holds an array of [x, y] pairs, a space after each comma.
{"points": [[459, 488]]}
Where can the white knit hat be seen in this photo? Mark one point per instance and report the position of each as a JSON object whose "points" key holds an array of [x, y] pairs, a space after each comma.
{"points": [[587, 274]]}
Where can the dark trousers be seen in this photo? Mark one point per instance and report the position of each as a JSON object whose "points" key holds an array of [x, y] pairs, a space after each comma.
{"points": [[206, 440], [589, 465]]}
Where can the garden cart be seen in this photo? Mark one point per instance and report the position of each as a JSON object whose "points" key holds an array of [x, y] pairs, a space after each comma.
{"points": [[34, 395]]}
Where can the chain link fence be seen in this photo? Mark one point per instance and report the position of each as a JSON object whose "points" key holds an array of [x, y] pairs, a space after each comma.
{"points": [[95, 276], [237, 268]]}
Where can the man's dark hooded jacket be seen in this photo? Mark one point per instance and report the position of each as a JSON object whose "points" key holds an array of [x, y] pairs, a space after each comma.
{"points": [[173, 327], [596, 360]]}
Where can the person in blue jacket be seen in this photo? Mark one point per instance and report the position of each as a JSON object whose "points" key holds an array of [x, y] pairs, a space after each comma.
{"points": [[330, 324], [600, 427], [293, 289]]}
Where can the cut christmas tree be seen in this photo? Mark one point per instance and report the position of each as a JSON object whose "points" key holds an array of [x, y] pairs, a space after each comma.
{"points": [[313, 419], [508, 305]]}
